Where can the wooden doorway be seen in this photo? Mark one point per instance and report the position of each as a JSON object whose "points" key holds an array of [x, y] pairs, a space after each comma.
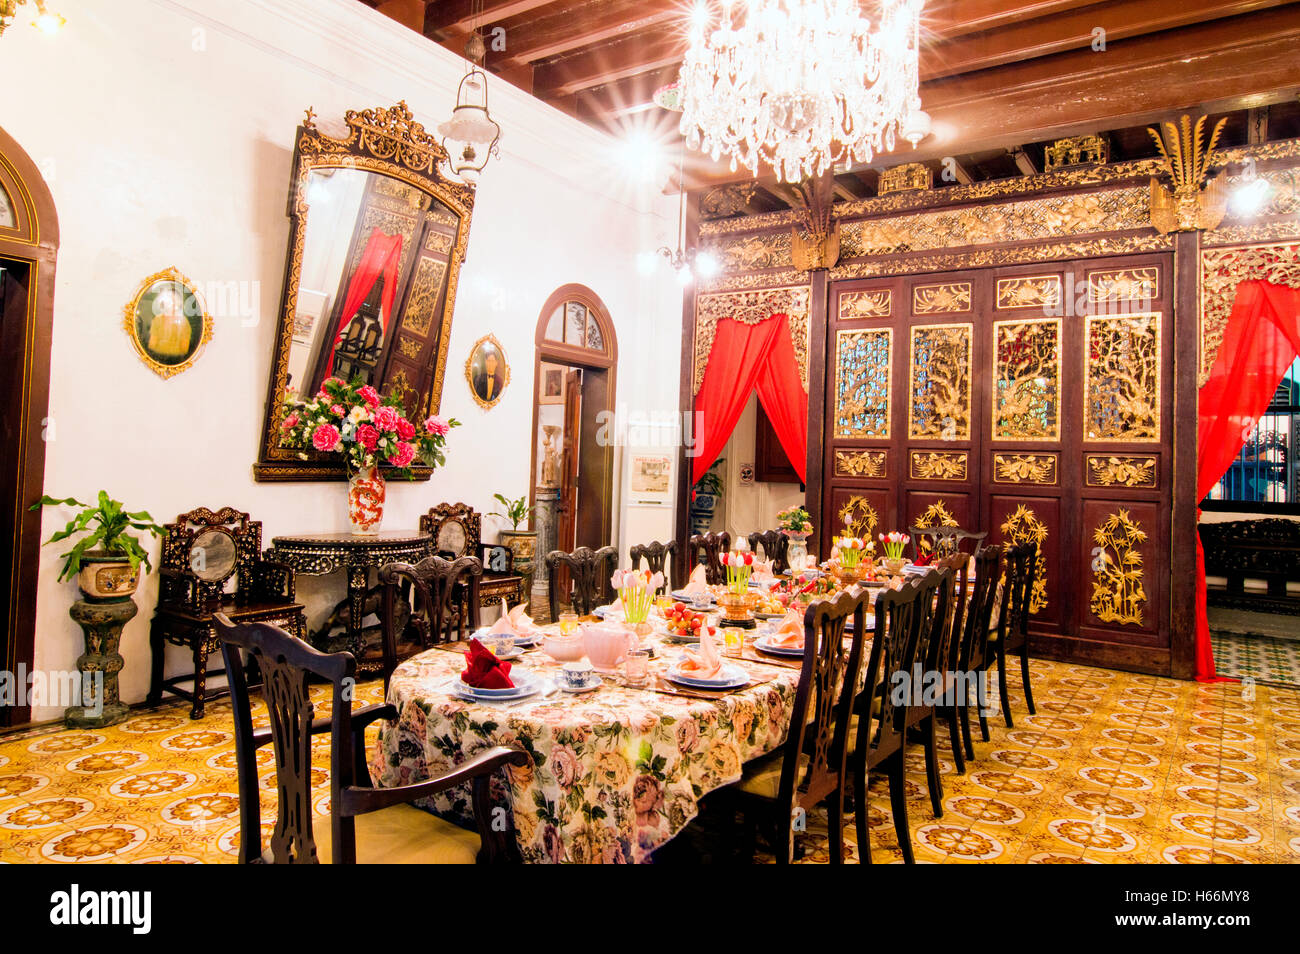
{"points": [[573, 390], [29, 241]]}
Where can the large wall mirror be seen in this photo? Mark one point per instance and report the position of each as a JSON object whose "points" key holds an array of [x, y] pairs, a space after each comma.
{"points": [[377, 239]]}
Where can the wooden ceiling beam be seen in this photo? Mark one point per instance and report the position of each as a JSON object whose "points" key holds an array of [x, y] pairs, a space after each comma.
{"points": [[648, 49], [444, 19], [555, 32]]}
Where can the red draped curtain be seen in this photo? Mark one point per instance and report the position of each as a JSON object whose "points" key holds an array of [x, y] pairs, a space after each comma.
{"points": [[382, 255], [747, 358], [1261, 340]]}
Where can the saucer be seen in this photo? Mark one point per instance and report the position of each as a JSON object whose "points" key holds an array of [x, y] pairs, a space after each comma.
{"points": [[595, 683]]}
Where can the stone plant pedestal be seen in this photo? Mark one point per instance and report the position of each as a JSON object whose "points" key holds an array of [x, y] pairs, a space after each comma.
{"points": [[546, 500], [101, 621]]}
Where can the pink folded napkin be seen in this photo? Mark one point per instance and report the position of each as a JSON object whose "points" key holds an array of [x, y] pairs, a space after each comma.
{"points": [[513, 622], [790, 633], [762, 571], [706, 663], [697, 584]]}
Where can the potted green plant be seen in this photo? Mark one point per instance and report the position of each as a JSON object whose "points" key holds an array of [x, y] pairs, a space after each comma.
{"points": [[106, 561], [704, 498], [522, 543]]}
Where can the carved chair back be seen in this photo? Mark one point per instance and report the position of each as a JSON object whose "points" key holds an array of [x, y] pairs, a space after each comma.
{"points": [[456, 530], [776, 546], [589, 570], [711, 546], [445, 602], [823, 701], [900, 615], [942, 541], [949, 653], [1017, 595], [974, 650], [656, 556], [203, 552], [286, 665]]}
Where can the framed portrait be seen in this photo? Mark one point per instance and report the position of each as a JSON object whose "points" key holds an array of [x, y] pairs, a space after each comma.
{"points": [[167, 322], [487, 371], [552, 387]]}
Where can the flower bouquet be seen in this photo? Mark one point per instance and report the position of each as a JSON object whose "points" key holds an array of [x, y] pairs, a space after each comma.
{"points": [[794, 520], [636, 591], [893, 543], [368, 432]]}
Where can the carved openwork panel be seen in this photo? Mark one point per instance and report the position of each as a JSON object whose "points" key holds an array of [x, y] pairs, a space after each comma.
{"points": [[1221, 271], [1025, 469], [862, 379], [1122, 370], [751, 307], [1023, 526], [1032, 291], [1111, 471], [1124, 285], [939, 465], [876, 303], [950, 298], [859, 517], [939, 382], [1027, 380], [865, 463]]}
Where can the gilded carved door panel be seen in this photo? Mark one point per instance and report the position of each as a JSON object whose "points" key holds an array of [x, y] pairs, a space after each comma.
{"points": [[1029, 402]]}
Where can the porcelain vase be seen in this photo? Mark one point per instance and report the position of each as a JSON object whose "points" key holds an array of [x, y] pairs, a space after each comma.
{"points": [[366, 492]]}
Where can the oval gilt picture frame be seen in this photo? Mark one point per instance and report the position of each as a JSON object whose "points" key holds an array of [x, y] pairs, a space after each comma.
{"points": [[487, 371], [168, 322]]}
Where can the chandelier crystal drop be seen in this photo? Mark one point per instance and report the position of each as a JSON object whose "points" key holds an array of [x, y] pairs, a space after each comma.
{"points": [[800, 85]]}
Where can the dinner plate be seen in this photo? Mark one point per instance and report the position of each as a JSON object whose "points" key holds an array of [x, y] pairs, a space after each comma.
{"points": [[731, 677], [525, 641], [764, 644], [769, 615], [524, 685], [683, 597]]}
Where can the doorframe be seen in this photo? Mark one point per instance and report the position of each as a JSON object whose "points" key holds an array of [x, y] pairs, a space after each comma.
{"points": [[34, 240], [555, 352]]}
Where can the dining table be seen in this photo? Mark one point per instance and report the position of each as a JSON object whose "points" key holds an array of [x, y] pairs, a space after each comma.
{"points": [[613, 773]]}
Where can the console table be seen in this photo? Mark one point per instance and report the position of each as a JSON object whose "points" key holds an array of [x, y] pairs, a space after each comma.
{"points": [[317, 554]]}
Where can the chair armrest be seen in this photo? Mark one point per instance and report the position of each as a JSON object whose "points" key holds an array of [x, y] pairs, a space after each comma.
{"points": [[361, 719], [175, 587], [273, 580], [355, 800]]}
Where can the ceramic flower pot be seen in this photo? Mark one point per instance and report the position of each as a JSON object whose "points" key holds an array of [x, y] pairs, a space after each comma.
{"points": [[523, 545], [107, 576], [366, 493]]}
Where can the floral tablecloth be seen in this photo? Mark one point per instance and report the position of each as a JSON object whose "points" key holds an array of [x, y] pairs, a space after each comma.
{"points": [[614, 773]]}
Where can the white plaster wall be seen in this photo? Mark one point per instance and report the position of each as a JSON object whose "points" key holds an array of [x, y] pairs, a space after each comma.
{"points": [[165, 130]]}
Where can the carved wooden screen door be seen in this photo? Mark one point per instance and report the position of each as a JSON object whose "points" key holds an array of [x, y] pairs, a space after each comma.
{"points": [[1030, 402]]}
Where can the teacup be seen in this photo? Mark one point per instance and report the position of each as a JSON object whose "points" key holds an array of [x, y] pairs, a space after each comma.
{"points": [[607, 644], [576, 675]]}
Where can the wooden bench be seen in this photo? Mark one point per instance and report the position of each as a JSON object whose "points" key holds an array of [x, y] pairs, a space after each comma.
{"points": [[1267, 550]]}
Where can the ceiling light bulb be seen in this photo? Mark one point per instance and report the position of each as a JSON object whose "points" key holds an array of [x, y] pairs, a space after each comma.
{"points": [[916, 127], [1250, 197], [706, 264], [684, 276]]}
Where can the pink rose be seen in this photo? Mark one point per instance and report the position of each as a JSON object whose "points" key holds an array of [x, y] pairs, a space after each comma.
{"points": [[369, 395], [290, 421], [647, 800], [367, 436], [338, 410], [564, 765], [403, 456], [405, 429], [436, 425], [325, 437], [386, 418]]}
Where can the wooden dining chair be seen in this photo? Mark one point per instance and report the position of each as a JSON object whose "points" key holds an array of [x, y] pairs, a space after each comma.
{"points": [[776, 546], [942, 541], [810, 767], [955, 623], [444, 603], [877, 740], [976, 653], [707, 548], [1012, 632], [932, 651], [367, 824], [656, 556], [589, 573]]}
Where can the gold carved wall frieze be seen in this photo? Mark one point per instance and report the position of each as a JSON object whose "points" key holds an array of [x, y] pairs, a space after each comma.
{"points": [[749, 253], [1104, 470], [876, 303], [859, 518], [1076, 150], [939, 465], [1013, 468], [1222, 269], [907, 177], [863, 463], [751, 307]]}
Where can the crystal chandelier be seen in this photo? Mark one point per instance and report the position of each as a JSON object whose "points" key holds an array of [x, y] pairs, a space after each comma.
{"points": [[801, 85], [45, 20]]}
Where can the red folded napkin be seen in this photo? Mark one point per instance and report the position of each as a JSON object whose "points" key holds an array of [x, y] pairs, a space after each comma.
{"points": [[483, 670], [923, 559]]}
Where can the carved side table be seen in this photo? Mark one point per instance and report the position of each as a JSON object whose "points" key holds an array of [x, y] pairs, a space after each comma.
{"points": [[317, 554], [101, 621]]}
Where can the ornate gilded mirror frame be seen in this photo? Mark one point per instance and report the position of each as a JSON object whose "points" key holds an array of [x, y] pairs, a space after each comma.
{"points": [[390, 142]]}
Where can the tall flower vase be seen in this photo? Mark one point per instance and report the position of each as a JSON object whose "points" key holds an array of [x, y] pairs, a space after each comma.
{"points": [[797, 554], [366, 492]]}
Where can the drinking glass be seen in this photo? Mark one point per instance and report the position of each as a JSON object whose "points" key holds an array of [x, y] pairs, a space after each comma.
{"points": [[568, 624], [733, 641], [637, 667]]}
